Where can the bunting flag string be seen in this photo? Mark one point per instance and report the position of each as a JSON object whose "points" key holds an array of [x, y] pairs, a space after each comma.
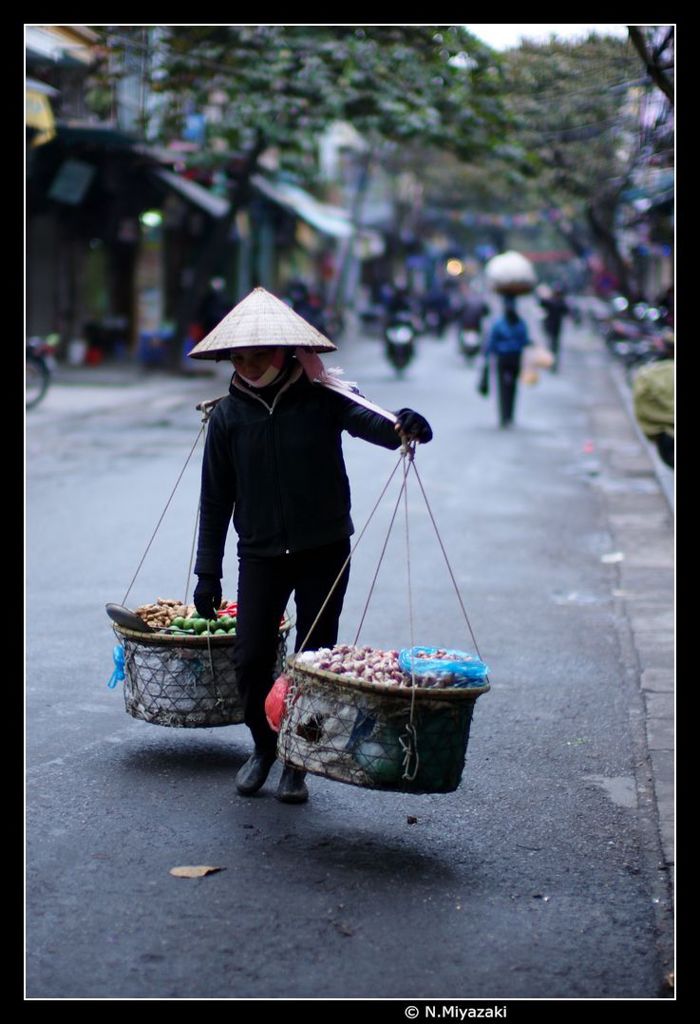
{"points": [[529, 218]]}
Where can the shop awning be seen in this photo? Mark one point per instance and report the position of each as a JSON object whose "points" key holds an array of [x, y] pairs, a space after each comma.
{"points": [[66, 45], [215, 206], [84, 138], [327, 219]]}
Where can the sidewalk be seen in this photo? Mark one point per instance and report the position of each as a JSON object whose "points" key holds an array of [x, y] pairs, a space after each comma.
{"points": [[88, 390], [653, 630], [646, 533], [640, 500], [647, 588]]}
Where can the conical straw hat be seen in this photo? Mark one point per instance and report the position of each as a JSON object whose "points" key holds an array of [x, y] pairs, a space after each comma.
{"points": [[260, 319]]}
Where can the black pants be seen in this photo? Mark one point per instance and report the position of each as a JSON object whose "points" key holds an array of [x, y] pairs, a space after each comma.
{"points": [[508, 371], [553, 335], [264, 588]]}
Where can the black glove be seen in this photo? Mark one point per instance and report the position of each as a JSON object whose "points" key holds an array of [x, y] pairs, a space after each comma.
{"points": [[415, 426], [207, 596]]}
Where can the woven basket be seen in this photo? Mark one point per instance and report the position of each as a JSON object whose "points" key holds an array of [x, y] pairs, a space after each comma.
{"points": [[511, 273], [379, 736], [168, 678]]}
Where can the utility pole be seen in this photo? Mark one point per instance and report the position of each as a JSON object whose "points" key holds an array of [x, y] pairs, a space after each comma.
{"points": [[337, 295]]}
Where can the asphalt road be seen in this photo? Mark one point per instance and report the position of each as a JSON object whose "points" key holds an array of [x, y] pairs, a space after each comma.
{"points": [[540, 877]]}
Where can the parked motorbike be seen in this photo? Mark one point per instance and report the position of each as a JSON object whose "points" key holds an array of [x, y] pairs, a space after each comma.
{"points": [[633, 333], [634, 344], [399, 340], [38, 369], [468, 343]]}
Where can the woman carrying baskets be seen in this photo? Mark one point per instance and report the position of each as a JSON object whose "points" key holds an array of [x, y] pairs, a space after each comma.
{"points": [[273, 463]]}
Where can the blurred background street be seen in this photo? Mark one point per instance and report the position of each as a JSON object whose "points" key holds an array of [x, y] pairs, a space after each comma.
{"points": [[370, 177]]}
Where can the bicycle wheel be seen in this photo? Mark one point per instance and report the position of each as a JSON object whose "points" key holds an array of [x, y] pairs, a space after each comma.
{"points": [[36, 380]]}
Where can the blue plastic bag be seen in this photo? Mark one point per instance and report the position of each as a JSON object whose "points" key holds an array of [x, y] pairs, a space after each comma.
{"points": [[467, 669], [118, 674]]}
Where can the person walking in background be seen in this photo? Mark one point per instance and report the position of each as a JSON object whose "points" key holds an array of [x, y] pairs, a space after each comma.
{"points": [[213, 306], [556, 308], [507, 339]]}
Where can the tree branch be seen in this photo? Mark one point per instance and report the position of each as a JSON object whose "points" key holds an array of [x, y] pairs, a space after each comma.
{"points": [[653, 69]]}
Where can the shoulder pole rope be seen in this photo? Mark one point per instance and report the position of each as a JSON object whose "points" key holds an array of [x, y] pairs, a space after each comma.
{"points": [[409, 746], [382, 553], [201, 431], [447, 562], [206, 409], [347, 560]]}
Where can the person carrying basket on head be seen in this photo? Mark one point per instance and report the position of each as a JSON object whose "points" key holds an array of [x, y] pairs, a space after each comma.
{"points": [[273, 463], [506, 341]]}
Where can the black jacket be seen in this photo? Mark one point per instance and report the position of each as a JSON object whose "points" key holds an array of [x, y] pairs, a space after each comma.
{"points": [[279, 470]]}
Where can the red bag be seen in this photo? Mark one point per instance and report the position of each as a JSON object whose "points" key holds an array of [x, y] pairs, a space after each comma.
{"points": [[275, 702]]}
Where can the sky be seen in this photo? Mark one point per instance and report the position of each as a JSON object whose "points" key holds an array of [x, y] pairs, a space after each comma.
{"points": [[501, 37]]}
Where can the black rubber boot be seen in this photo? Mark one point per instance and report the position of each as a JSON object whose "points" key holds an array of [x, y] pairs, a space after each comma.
{"points": [[254, 772], [292, 788]]}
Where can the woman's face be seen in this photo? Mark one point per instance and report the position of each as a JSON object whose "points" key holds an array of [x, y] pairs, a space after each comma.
{"points": [[252, 362]]}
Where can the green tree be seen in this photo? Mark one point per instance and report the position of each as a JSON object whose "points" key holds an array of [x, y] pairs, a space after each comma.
{"points": [[655, 45], [578, 107], [284, 84], [587, 122]]}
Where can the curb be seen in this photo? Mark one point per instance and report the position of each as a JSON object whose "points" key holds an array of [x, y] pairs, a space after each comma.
{"points": [[647, 592]]}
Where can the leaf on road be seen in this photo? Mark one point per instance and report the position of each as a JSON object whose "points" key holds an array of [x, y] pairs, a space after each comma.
{"points": [[195, 871]]}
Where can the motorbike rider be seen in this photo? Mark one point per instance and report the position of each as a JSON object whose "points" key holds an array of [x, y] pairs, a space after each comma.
{"points": [[436, 308], [400, 304], [399, 328], [472, 311]]}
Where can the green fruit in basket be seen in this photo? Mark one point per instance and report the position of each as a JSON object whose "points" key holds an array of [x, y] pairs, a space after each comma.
{"points": [[178, 623], [200, 625], [219, 632]]}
